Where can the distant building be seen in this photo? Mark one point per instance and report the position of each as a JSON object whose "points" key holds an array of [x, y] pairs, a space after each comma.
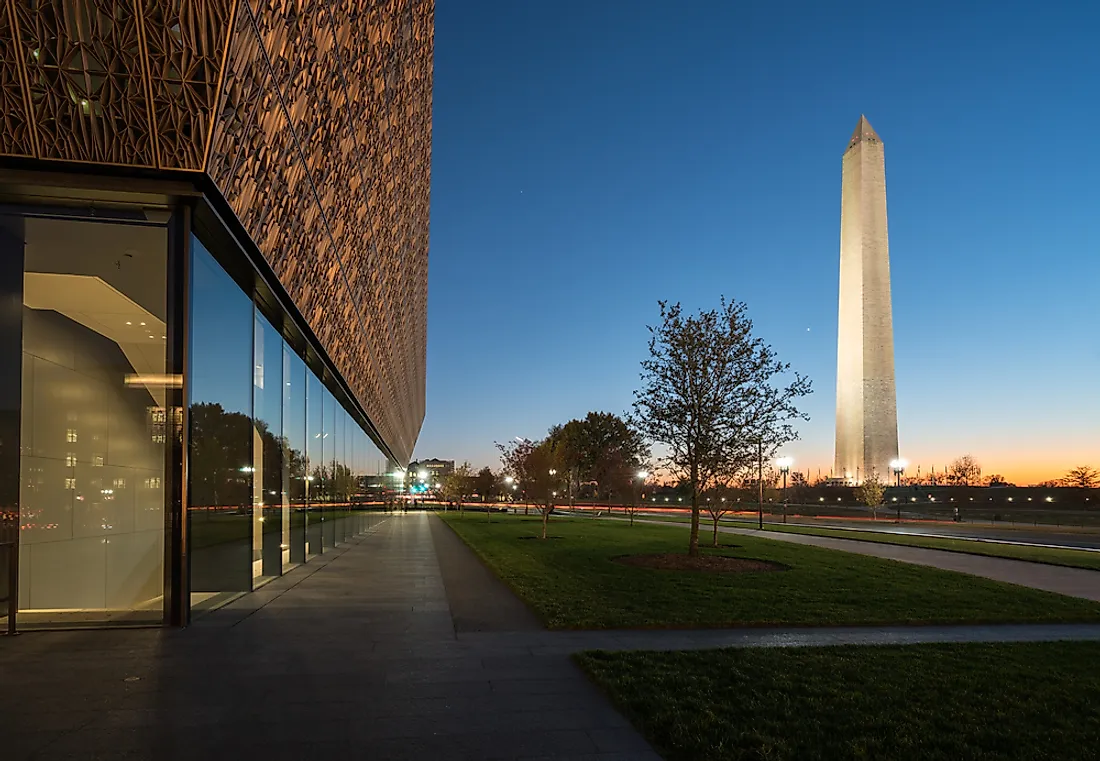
{"points": [[437, 469]]}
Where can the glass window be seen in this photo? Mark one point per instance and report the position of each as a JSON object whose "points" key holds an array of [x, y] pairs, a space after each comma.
{"points": [[328, 453], [221, 465], [93, 434], [315, 481], [269, 499], [294, 432]]}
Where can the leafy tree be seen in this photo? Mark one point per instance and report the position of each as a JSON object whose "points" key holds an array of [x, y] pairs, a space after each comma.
{"points": [[1082, 477], [458, 485], [600, 448], [996, 480], [539, 469], [798, 488], [871, 492], [965, 471], [485, 483], [710, 395]]}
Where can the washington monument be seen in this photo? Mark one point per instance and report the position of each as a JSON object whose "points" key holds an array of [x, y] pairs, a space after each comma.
{"points": [[866, 397]]}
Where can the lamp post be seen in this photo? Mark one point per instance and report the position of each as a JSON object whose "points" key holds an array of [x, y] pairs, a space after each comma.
{"points": [[784, 464], [641, 475], [898, 467], [760, 484], [553, 472]]}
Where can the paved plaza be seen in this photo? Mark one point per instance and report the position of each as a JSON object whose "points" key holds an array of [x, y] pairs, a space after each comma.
{"points": [[400, 645]]}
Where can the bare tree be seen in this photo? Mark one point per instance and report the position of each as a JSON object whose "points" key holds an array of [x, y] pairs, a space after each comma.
{"points": [[720, 502], [1082, 477], [710, 396], [871, 492], [965, 471]]}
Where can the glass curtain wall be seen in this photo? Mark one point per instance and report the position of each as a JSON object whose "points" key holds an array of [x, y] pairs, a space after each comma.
{"points": [[315, 481], [221, 495], [274, 459], [294, 428], [92, 421]]}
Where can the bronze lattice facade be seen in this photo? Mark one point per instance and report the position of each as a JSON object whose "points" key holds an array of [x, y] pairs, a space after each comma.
{"points": [[313, 120]]}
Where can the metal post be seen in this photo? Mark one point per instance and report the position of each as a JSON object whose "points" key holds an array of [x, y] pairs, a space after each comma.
{"points": [[784, 495], [760, 484]]}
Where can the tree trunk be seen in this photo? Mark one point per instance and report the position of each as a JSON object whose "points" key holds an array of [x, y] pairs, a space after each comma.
{"points": [[488, 512], [715, 532], [461, 512], [693, 544], [545, 519]]}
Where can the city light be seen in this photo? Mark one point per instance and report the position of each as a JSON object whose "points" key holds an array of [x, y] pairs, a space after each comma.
{"points": [[784, 464], [643, 474]]}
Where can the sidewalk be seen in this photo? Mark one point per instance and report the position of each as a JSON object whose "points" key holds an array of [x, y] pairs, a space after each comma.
{"points": [[355, 656], [1074, 582]]}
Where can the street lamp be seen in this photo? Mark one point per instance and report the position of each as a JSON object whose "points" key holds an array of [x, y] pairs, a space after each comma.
{"points": [[641, 475], [784, 464], [898, 467]]}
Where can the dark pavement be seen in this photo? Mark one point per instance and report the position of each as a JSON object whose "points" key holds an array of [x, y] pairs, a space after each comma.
{"points": [[353, 655]]}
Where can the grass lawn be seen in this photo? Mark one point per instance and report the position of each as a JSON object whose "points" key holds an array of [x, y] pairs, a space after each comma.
{"points": [[573, 581], [927, 702], [1063, 557]]}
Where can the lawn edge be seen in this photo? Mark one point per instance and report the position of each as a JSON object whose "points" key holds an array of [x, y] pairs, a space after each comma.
{"points": [[898, 544]]}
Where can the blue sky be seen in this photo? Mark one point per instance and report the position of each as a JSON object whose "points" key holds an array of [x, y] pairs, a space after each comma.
{"points": [[592, 157]]}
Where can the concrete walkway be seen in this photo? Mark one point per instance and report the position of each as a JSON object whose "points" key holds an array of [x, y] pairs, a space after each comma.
{"points": [[1075, 582], [354, 656]]}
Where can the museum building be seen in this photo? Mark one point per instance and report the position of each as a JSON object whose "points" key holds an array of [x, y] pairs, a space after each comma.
{"points": [[213, 294]]}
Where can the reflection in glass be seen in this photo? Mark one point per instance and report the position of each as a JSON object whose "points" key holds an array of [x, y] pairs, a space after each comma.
{"points": [[315, 481], [328, 440], [267, 452], [294, 431], [93, 433], [221, 435]]}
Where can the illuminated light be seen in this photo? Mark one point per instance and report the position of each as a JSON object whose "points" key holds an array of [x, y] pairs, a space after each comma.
{"points": [[154, 379], [1010, 499], [895, 499], [1051, 499], [553, 472], [1029, 499], [509, 479], [784, 464], [642, 474], [261, 519], [422, 475], [129, 323], [142, 324], [822, 499]]}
